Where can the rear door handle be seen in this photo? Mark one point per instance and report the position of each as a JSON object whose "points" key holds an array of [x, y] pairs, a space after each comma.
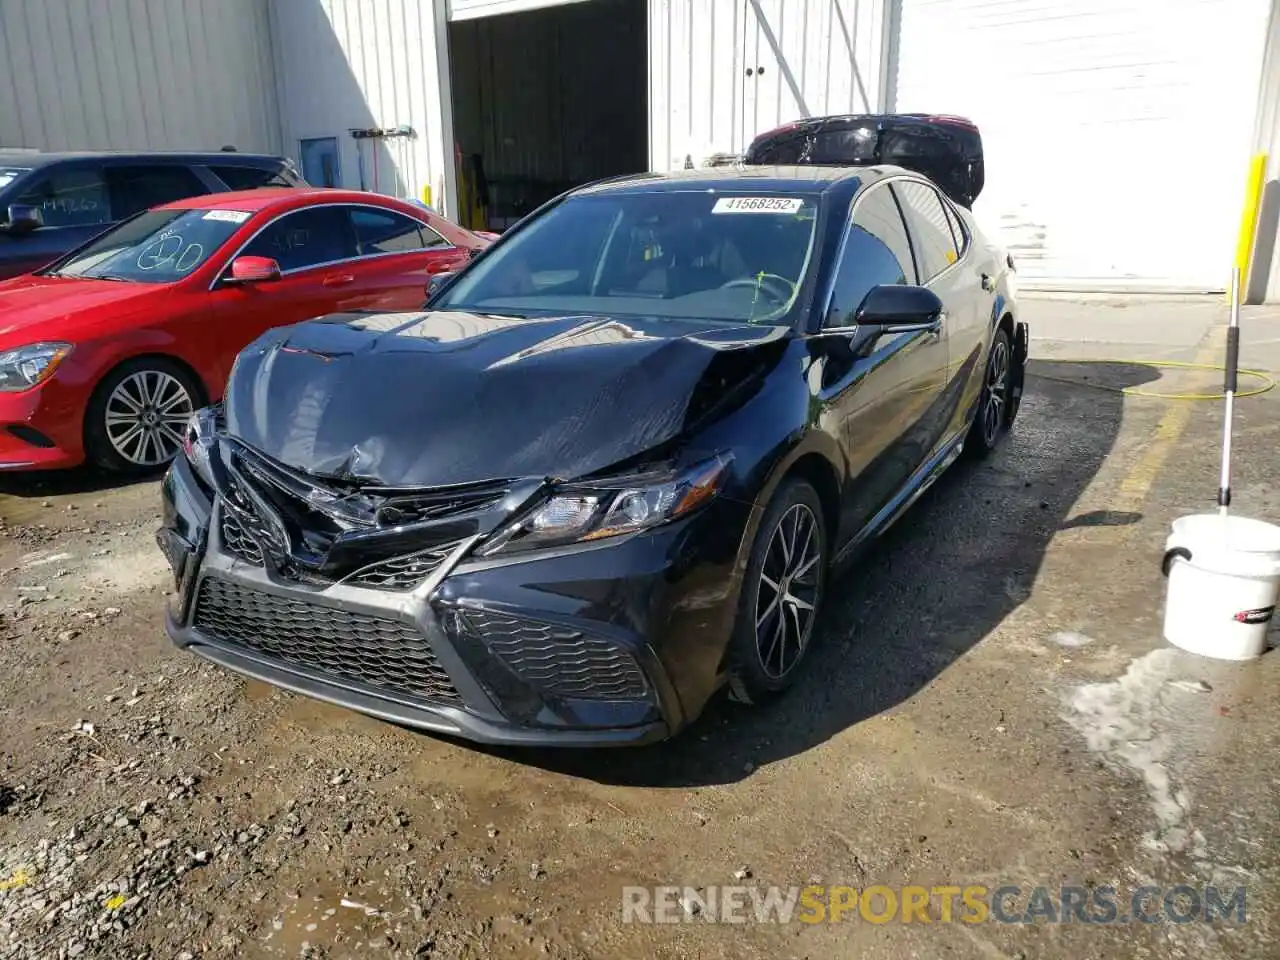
{"points": [[340, 280]]}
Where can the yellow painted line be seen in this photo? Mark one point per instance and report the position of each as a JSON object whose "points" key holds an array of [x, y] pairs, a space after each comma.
{"points": [[1249, 219], [1137, 483]]}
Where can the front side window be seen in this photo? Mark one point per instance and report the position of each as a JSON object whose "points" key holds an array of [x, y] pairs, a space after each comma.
{"points": [[306, 238], [134, 189], [159, 246], [876, 253], [69, 198], [700, 254], [931, 238]]}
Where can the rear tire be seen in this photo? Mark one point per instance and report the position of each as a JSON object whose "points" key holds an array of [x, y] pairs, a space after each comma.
{"points": [[991, 421], [781, 595], [135, 420]]}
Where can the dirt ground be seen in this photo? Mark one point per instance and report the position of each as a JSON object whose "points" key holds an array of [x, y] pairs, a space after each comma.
{"points": [[991, 703]]}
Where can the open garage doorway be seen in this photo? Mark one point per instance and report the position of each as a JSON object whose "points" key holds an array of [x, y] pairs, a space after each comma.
{"points": [[545, 100]]}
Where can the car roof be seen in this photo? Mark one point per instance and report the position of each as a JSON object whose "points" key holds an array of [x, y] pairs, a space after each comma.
{"points": [[251, 201], [790, 179], [31, 159]]}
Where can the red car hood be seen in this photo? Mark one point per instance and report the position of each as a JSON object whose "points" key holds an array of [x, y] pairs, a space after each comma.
{"points": [[34, 308]]}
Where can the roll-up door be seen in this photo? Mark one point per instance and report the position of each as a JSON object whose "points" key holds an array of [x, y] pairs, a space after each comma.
{"points": [[1117, 132]]}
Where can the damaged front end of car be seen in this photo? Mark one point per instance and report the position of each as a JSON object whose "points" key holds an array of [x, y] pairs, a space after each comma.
{"points": [[512, 610]]}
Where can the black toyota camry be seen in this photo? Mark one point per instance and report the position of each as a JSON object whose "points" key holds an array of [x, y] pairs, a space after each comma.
{"points": [[609, 468]]}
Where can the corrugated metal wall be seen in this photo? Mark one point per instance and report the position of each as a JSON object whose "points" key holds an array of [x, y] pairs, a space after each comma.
{"points": [[551, 98], [357, 64], [709, 93], [132, 74]]}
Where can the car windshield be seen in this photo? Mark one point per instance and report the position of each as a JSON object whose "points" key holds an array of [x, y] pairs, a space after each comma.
{"points": [[705, 255], [159, 246]]}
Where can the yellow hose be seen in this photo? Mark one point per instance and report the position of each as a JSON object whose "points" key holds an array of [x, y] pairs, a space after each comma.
{"points": [[1267, 382]]}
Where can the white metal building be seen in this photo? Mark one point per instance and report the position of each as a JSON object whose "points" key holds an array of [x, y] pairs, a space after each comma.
{"points": [[1118, 132]]}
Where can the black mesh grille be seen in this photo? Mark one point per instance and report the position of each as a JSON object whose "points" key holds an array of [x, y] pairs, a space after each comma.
{"points": [[236, 539], [557, 660], [402, 573], [371, 650]]}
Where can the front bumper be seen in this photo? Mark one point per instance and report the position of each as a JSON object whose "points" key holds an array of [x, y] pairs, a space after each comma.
{"points": [[619, 643], [39, 430]]}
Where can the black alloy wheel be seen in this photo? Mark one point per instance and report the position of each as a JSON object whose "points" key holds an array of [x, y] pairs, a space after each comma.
{"points": [[781, 594], [991, 421]]}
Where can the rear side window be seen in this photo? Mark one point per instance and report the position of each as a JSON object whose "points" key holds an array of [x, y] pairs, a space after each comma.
{"points": [[250, 178], [875, 253], [306, 238], [385, 231], [957, 228], [70, 198], [134, 189], [931, 239]]}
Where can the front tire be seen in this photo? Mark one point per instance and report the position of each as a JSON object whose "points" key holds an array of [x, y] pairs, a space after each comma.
{"points": [[991, 421], [135, 420], [781, 595]]}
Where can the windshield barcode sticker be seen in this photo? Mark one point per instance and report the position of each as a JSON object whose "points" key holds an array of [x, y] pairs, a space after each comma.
{"points": [[757, 205], [229, 216]]}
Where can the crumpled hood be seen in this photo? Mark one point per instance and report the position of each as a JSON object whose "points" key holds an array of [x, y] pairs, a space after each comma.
{"points": [[439, 398], [50, 308]]}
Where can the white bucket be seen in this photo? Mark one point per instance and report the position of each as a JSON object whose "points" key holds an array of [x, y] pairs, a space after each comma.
{"points": [[1224, 581]]}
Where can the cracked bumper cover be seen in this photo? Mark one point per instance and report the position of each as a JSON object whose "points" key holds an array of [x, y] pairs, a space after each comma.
{"points": [[646, 620]]}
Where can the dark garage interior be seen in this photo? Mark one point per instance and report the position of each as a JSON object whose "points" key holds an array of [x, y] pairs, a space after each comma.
{"points": [[546, 100]]}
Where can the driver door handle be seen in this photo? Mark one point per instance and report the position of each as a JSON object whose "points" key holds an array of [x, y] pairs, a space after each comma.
{"points": [[340, 280]]}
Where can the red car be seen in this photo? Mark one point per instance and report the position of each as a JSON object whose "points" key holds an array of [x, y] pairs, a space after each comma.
{"points": [[106, 352]]}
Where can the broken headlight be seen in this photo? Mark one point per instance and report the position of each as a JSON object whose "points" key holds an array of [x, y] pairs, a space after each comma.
{"points": [[198, 441], [581, 513]]}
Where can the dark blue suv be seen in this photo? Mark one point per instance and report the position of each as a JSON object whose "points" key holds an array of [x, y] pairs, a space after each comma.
{"points": [[51, 203]]}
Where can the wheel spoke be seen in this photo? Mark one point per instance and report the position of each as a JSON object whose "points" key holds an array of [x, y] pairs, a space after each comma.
{"points": [[796, 602], [172, 438], [773, 605], [779, 634], [122, 397], [783, 539], [165, 387], [803, 570], [180, 403]]}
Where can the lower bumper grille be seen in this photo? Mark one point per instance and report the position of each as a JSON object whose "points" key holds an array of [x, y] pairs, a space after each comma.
{"points": [[378, 652], [558, 660]]}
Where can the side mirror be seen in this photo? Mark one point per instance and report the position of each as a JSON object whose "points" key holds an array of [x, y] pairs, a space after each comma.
{"points": [[898, 308], [438, 282], [253, 270], [24, 218]]}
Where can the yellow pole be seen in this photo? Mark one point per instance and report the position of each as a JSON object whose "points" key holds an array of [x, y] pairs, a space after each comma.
{"points": [[1249, 217]]}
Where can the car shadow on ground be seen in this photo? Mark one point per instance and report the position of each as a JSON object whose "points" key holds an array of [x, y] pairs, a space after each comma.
{"points": [[38, 484], [951, 570]]}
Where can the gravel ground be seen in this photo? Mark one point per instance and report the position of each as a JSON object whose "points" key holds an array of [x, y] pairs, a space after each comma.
{"points": [[991, 703]]}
